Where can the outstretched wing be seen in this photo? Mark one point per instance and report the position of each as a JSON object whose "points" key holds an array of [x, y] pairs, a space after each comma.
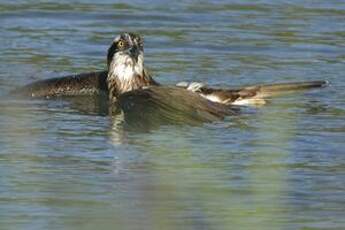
{"points": [[92, 83], [164, 104], [251, 95], [84, 84]]}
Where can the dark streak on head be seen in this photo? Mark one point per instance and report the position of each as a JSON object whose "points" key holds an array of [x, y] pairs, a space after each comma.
{"points": [[111, 52]]}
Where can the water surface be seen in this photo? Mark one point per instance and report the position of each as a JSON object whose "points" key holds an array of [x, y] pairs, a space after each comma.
{"points": [[63, 165]]}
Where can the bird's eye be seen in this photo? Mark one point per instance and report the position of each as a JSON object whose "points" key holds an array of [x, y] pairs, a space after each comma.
{"points": [[121, 44]]}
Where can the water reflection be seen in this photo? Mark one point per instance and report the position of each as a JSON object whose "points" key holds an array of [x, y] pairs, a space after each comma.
{"points": [[183, 186]]}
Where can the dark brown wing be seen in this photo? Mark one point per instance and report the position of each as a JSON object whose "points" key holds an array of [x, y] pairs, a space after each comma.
{"points": [[157, 104], [92, 83]]}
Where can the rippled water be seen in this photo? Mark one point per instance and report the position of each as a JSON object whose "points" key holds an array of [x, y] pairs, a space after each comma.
{"points": [[281, 166]]}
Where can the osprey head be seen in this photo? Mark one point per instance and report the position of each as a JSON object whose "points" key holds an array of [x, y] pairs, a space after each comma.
{"points": [[126, 70], [127, 49]]}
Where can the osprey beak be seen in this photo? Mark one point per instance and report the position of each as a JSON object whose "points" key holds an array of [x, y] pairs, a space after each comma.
{"points": [[134, 52]]}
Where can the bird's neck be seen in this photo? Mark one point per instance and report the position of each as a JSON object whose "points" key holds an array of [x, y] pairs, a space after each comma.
{"points": [[126, 76]]}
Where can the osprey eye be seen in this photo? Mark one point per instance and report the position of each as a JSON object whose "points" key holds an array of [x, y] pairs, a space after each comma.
{"points": [[121, 44]]}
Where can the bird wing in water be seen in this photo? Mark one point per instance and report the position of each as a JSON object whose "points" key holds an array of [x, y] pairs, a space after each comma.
{"points": [[251, 95], [92, 83], [170, 104]]}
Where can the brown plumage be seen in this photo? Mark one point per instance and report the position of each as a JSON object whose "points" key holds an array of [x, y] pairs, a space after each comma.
{"points": [[170, 104], [92, 83]]}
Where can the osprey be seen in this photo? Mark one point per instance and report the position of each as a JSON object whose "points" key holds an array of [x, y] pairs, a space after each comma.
{"points": [[127, 79]]}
